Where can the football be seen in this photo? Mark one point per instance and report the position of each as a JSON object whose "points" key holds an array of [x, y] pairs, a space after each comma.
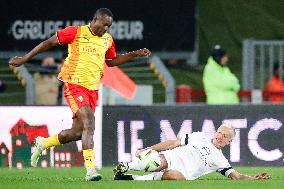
{"points": [[150, 159]]}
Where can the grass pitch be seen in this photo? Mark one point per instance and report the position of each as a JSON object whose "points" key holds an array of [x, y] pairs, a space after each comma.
{"points": [[52, 178]]}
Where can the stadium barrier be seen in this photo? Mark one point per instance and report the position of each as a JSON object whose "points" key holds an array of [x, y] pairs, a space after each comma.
{"points": [[20, 125], [258, 139]]}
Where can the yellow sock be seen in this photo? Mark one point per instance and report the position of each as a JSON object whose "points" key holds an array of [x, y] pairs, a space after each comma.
{"points": [[89, 158], [51, 141]]}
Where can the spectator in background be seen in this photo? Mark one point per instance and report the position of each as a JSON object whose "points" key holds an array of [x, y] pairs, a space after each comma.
{"points": [[3, 86], [60, 99], [220, 84], [46, 82], [48, 64], [274, 88]]}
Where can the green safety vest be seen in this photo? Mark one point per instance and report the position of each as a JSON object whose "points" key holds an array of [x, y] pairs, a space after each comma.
{"points": [[220, 84]]}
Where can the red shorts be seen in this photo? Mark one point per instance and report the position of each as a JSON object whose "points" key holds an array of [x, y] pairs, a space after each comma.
{"points": [[77, 96]]}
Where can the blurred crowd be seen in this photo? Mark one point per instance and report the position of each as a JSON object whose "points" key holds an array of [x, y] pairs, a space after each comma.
{"points": [[274, 88], [221, 86]]}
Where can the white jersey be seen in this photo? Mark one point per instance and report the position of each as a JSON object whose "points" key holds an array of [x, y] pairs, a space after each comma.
{"points": [[197, 156]]}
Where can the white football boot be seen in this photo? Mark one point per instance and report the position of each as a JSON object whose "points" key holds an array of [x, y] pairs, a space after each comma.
{"points": [[39, 148], [92, 175]]}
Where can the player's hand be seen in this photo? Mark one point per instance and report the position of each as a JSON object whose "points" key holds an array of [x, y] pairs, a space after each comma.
{"points": [[17, 61], [139, 151], [142, 52], [262, 176]]}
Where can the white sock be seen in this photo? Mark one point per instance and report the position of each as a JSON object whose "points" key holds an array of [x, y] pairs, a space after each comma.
{"points": [[150, 161], [135, 165], [152, 176]]}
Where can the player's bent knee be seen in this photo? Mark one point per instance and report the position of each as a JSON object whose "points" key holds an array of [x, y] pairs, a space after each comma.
{"points": [[173, 175], [164, 163], [78, 135]]}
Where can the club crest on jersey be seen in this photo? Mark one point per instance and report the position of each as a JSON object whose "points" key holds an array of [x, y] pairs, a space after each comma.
{"points": [[105, 41], [80, 98]]}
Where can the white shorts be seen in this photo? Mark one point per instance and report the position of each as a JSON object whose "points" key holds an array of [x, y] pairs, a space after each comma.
{"points": [[177, 161]]}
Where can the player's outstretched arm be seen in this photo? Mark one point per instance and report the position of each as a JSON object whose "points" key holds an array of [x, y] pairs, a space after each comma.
{"points": [[162, 146], [43, 46], [121, 58], [238, 176]]}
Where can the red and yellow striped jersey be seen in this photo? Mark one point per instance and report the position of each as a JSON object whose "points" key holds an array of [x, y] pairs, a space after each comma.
{"points": [[86, 55]]}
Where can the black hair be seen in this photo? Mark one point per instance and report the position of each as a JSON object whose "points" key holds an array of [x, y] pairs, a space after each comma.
{"points": [[218, 53], [64, 55], [102, 12], [276, 67]]}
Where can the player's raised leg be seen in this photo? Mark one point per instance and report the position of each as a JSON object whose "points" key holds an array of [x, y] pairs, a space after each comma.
{"points": [[148, 160], [86, 114], [65, 136]]}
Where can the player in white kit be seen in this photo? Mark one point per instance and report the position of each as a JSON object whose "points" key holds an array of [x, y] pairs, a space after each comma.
{"points": [[188, 158]]}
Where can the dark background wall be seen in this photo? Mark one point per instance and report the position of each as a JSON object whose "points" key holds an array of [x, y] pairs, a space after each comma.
{"points": [[166, 25], [257, 124], [229, 23]]}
